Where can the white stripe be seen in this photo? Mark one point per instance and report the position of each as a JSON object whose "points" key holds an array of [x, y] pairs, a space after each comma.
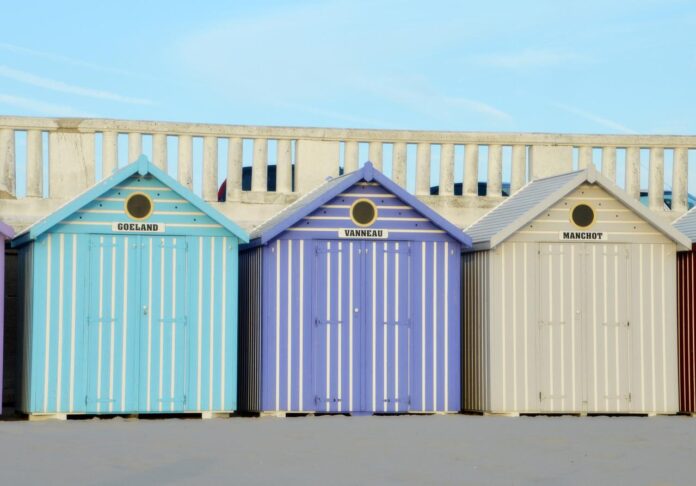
{"points": [[113, 316], [199, 368], [172, 225], [72, 322], [348, 218], [149, 325], [642, 345], [161, 330], [301, 326], [223, 323], [503, 269], [328, 325], [552, 390], [384, 327], [572, 320], [653, 318], [348, 206], [391, 231], [514, 326], [289, 344], [435, 325], [156, 201], [125, 324], [172, 371], [617, 326], [145, 188], [606, 322], [159, 213], [100, 321], [423, 326], [47, 350], [594, 320], [562, 317], [211, 323], [350, 327], [374, 326], [61, 274], [446, 324], [339, 324], [665, 349], [396, 328], [277, 328], [378, 195], [526, 343]]}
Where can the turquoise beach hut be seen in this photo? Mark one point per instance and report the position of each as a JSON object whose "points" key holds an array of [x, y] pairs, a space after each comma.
{"points": [[130, 301]]}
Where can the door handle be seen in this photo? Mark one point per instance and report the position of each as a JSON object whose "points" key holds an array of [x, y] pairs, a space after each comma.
{"points": [[145, 310]]}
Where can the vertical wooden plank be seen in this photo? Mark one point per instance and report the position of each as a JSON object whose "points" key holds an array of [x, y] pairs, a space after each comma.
{"points": [[109, 153], [657, 179], [135, 146], [446, 169], [34, 163], [7, 163], [423, 169], [259, 172], [399, 164], [680, 176], [284, 167], [471, 154], [159, 150], [495, 170], [210, 168], [185, 162], [519, 168], [633, 171], [234, 169]]}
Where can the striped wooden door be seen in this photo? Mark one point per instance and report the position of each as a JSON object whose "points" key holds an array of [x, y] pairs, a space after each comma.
{"points": [[163, 329], [113, 324]]}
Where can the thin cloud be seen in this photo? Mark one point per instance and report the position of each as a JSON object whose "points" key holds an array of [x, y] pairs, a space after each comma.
{"points": [[600, 120], [42, 107], [531, 58], [480, 107], [51, 84]]}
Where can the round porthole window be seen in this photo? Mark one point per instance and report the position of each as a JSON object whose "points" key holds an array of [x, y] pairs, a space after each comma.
{"points": [[582, 216], [139, 206], [363, 212]]}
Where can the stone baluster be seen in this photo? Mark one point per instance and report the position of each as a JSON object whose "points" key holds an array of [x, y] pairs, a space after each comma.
{"points": [[471, 161], [657, 179], [399, 163], [210, 168], [71, 163], [446, 169], [7, 163], [609, 163], [34, 163], [584, 156], [519, 168], [423, 169], [109, 153], [350, 157], [185, 162], [633, 171], [375, 154], [284, 167], [259, 166], [159, 150], [680, 177], [495, 170], [135, 146], [234, 169]]}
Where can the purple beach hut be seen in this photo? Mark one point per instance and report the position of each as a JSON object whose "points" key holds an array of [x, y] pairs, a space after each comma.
{"points": [[6, 233], [349, 303]]}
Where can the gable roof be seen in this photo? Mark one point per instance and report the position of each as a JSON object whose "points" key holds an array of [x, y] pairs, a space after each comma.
{"points": [[538, 195], [686, 223], [314, 199], [141, 166], [6, 231]]}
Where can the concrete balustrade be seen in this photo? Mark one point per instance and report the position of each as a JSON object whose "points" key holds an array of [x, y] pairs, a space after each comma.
{"points": [[314, 154]]}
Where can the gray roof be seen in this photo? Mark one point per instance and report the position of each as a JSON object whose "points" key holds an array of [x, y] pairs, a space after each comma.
{"points": [[537, 196], [686, 223]]}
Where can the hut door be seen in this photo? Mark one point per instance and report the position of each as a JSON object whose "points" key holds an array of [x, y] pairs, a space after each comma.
{"points": [[387, 326], [112, 324], [561, 277], [337, 332], [608, 328], [163, 335]]}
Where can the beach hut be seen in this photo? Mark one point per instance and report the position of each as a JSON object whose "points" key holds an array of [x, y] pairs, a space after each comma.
{"points": [[686, 297], [349, 303], [570, 302], [6, 233], [129, 301]]}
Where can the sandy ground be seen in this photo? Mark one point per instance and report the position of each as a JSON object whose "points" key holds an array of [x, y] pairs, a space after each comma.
{"points": [[343, 450]]}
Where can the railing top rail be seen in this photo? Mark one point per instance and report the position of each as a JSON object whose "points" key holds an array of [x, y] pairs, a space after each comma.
{"points": [[88, 125]]}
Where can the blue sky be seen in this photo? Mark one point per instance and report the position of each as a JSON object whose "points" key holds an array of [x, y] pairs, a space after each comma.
{"points": [[551, 66], [591, 66]]}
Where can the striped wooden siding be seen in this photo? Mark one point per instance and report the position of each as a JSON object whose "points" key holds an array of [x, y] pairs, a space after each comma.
{"points": [[132, 323], [177, 214], [475, 328], [298, 274], [686, 265], [250, 321]]}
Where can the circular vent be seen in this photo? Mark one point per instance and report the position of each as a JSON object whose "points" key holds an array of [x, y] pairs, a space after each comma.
{"points": [[363, 212], [582, 216], [139, 206]]}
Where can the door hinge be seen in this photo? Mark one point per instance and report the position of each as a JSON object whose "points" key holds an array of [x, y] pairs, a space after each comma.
{"points": [[539, 396], [86, 400], [185, 399], [629, 396], [628, 323], [317, 321]]}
